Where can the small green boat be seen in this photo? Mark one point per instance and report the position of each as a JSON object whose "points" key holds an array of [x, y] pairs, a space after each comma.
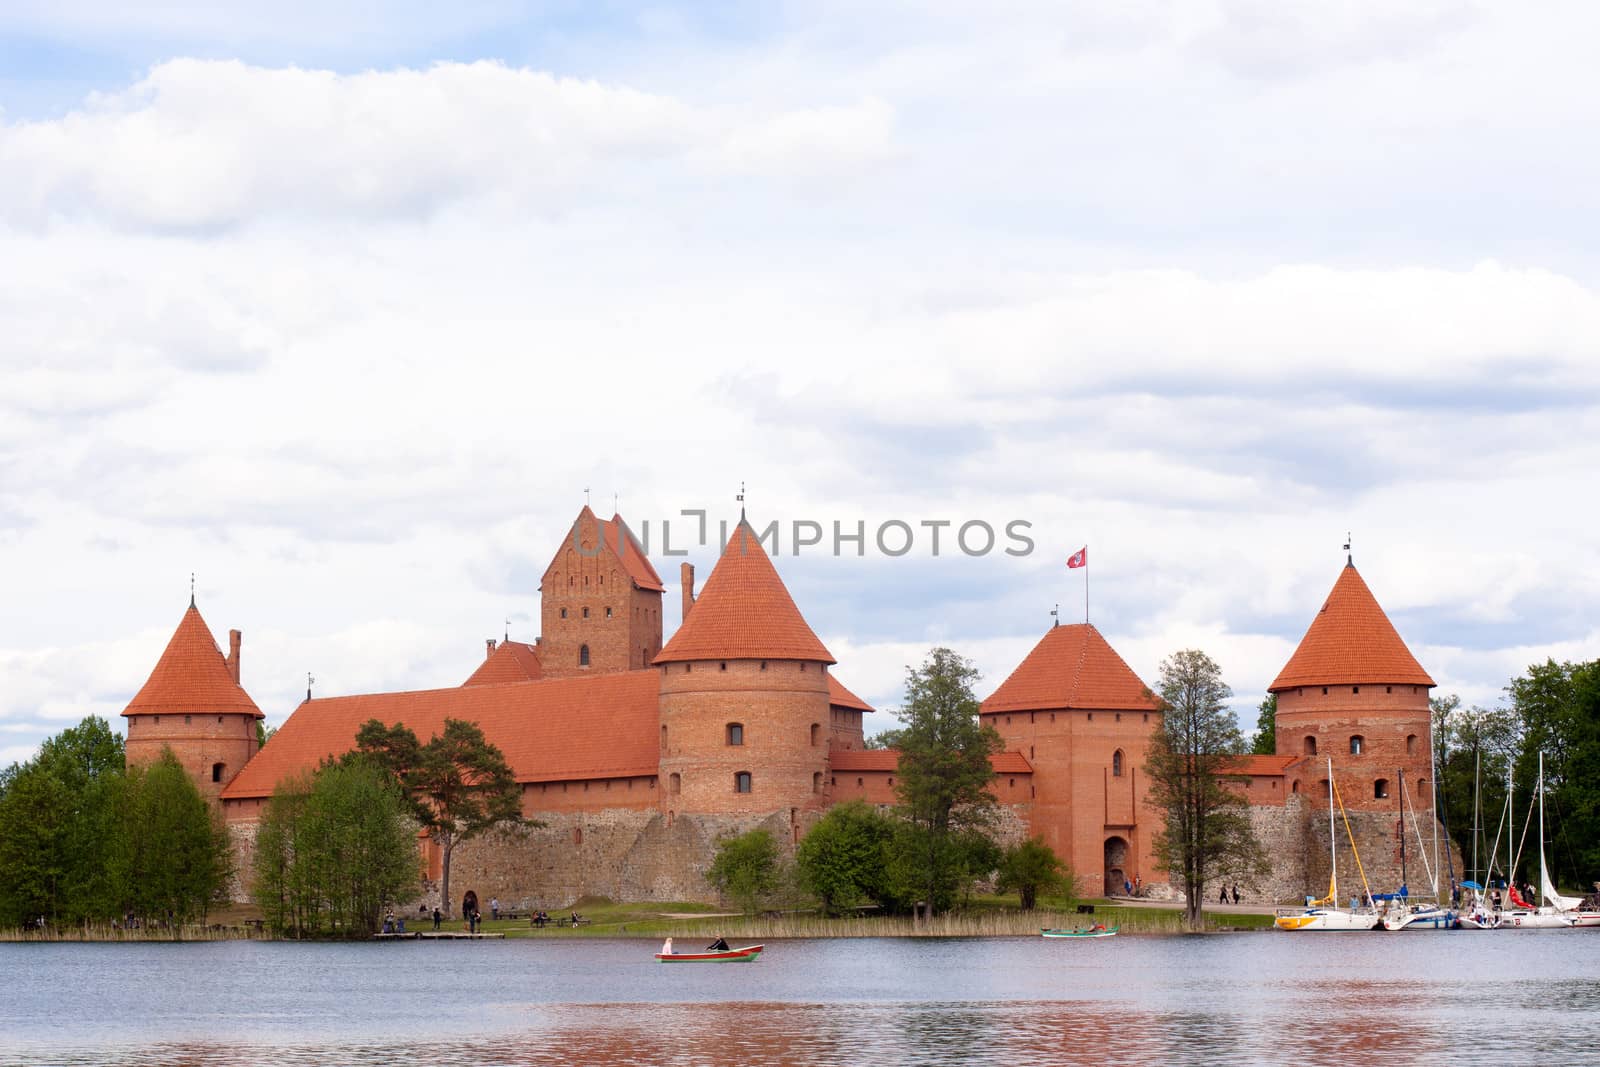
{"points": [[1097, 930]]}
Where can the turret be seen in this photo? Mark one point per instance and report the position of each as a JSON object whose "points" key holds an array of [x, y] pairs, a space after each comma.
{"points": [[600, 604], [744, 696], [194, 705], [1353, 691]]}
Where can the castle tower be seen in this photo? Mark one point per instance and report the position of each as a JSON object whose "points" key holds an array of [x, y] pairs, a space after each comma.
{"points": [[744, 696], [1083, 719], [600, 608], [194, 705], [1353, 691]]}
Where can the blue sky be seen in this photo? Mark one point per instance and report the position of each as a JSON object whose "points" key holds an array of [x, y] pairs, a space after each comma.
{"points": [[342, 309]]}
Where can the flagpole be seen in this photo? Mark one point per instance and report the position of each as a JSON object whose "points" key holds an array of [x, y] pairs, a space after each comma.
{"points": [[1086, 590]]}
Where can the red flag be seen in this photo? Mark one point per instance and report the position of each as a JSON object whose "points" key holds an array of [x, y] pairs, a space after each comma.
{"points": [[1078, 559]]}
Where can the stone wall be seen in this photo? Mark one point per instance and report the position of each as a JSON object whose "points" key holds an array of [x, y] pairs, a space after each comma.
{"points": [[1295, 837]]}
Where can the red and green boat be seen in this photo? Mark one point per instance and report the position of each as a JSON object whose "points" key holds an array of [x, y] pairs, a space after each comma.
{"points": [[747, 954]]}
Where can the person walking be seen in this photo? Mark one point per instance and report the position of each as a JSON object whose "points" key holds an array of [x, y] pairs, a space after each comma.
{"points": [[1222, 895], [1236, 892], [494, 908], [438, 917]]}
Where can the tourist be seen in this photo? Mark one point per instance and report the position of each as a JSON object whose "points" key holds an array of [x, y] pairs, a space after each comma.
{"points": [[400, 924], [1127, 887], [1222, 895], [666, 947], [719, 945], [438, 917], [494, 908], [1137, 885], [1236, 892]]}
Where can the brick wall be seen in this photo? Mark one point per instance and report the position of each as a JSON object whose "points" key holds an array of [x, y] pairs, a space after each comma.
{"points": [[200, 741], [1392, 722], [588, 600]]}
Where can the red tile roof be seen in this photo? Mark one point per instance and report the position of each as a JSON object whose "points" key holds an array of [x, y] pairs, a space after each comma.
{"points": [[511, 661], [633, 558], [602, 726], [192, 677], [744, 612], [1072, 667], [1261, 766], [615, 538], [840, 697], [1351, 641], [888, 759]]}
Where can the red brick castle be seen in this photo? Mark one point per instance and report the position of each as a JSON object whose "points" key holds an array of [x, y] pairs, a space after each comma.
{"points": [[636, 756]]}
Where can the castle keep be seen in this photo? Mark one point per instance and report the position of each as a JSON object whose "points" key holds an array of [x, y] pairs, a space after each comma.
{"points": [[636, 755]]}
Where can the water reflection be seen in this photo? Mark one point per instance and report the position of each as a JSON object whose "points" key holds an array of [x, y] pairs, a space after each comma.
{"points": [[1242, 1000]]}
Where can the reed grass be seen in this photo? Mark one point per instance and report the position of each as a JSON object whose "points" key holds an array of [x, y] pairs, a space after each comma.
{"points": [[107, 932]]}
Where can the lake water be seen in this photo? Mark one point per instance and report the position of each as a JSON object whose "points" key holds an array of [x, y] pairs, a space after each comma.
{"points": [[1391, 999]]}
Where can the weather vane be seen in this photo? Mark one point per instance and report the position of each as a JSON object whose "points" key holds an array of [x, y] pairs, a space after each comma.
{"points": [[1055, 613], [1349, 557]]}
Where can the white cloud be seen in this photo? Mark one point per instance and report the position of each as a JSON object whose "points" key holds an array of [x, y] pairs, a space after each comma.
{"points": [[203, 144]]}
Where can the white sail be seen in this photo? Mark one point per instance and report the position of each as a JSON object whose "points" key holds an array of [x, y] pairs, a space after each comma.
{"points": [[1551, 897]]}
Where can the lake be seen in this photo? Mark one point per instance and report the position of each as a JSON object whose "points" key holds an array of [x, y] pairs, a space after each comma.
{"points": [[1379, 998]]}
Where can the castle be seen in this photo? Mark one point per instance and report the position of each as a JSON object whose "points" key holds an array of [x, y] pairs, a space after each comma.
{"points": [[637, 756]]}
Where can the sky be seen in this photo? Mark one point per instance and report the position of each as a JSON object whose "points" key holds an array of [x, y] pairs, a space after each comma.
{"points": [[343, 308]]}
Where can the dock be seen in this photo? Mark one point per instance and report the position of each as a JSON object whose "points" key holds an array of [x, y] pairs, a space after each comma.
{"points": [[439, 935]]}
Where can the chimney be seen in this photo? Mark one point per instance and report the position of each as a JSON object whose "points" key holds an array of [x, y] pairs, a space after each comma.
{"points": [[686, 580], [235, 639], [490, 643]]}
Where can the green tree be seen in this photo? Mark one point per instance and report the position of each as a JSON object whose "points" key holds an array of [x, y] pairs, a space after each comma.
{"points": [[1557, 706], [1031, 868], [460, 784], [1206, 826], [173, 857], [334, 850], [1266, 739], [88, 761], [746, 869], [843, 860], [943, 776], [35, 831]]}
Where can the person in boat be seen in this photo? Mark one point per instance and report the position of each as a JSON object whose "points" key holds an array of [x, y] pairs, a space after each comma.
{"points": [[719, 945], [666, 947]]}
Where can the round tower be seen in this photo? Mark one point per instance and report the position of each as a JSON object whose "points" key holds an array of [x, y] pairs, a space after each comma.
{"points": [[193, 704], [1354, 693], [744, 697]]}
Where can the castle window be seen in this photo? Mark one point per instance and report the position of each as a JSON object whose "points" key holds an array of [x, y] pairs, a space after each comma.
{"points": [[763, 664], [741, 782], [735, 733], [1116, 764], [1008, 720], [1294, 786], [1013, 783], [675, 783], [663, 739], [1324, 690], [891, 780], [1147, 716], [216, 772], [608, 613], [563, 613], [577, 835], [1411, 744], [859, 783], [1117, 717], [158, 718], [722, 666], [1357, 744], [583, 655], [586, 613], [1090, 717], [219, 718], [1388, 689], [1355, 689], [1380, 789], [687, 667], [186, 720], [816, 781], [816, 733], [1311, 745]]}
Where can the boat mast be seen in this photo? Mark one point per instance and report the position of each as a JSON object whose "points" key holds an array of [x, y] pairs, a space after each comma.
{"points": [[1401, 778], [1544, 875], [1433, 773], [1477, 814], [1333, 850], [1511, 833]]}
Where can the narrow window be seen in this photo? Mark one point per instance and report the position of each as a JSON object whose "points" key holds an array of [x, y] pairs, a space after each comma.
{"points": [[1324, 690], [675, 783], [663, 739], [1012, 783], [1355, 689], [858, 783], [1311, 745], [563, 613], [1117, 717], [741, 782], [1090, 716], [816, 733], [1116, 764], [1411, 744], [577, 835], [608, 613], [1380, 789], [219, 718], [186, 720], [586, 613], [583, 655], [816, 781], [216, 772], [736, 734], [722, 666], [1294, 786], [1357, 744], [1388, 689]]}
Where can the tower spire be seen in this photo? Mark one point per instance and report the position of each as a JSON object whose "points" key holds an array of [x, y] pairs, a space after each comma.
{"points": [[191, 589], [1349, 557], [740, 499]]}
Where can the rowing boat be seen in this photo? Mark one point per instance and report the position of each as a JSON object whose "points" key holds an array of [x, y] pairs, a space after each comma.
{"points": [[747, 954], [1093, 931]]}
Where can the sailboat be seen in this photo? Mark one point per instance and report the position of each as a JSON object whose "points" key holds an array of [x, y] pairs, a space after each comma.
{"points": [[1325, 914], [1401, 913], [1559, 913]]}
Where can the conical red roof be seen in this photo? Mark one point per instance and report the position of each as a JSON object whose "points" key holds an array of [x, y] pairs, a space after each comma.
{"points": [[1351, 641], [744, 612], [1072, 667], [192, 677]]}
